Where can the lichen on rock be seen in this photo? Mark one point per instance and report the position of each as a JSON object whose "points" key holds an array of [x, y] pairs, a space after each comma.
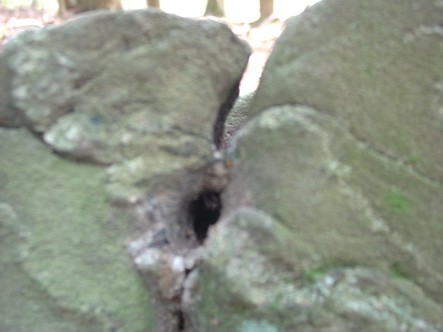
{"points": [[124, 108], [323, 214]]}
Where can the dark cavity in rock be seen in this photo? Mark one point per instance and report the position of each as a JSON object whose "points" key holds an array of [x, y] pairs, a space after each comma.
{"points": [[180, 321], [204, 211]]}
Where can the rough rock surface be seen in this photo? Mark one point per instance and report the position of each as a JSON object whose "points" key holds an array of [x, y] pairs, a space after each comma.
{"points": [[62, 267], [375, 66], [332, 217], [333, 220], [132, 105], [237, 117], [79, 91]]}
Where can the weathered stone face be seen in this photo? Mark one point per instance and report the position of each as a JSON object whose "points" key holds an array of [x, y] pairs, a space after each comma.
{"points": [[132, 104], [104, 86], [315, 223], [376, 66], [334, 211], [61, 266], [332, 215]]}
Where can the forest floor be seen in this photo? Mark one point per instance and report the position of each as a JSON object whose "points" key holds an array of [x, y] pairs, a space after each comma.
{"points": [[260, 37]]}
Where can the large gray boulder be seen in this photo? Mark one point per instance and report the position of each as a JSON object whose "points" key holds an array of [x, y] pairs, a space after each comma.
{"points": [[333, 219], [373, 65], [61, 264], [97, 87], [112, 120]]}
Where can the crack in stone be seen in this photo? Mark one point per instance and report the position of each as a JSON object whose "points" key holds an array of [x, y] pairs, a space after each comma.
{"points": [[169, 253], [400, 162], [273, 123]]}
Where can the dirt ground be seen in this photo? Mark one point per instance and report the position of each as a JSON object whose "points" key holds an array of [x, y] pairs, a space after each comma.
{"points": [[261, 38]]}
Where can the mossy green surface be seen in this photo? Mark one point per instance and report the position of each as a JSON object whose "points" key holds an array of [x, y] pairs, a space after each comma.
{"points": [[325, 202], [239, 284], [245, 283], [406, 205], [359, 178], [305, 189], [377, 65], [342, 201], [107, 87], [341, 166], [68, 264]]}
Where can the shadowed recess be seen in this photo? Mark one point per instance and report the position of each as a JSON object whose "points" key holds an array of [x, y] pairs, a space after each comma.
{"points": [[204, 212]]}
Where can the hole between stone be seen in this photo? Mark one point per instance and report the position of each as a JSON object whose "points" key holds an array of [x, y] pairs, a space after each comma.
{"points": [[180, 321], [205, 211]]}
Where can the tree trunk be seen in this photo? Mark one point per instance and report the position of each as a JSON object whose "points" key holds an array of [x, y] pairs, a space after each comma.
{"points": [[266, 9], [65, 5], [215, 8], [88, 5], [153, 3]]}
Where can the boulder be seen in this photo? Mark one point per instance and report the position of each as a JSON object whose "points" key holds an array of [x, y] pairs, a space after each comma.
{"points": [[112, 122], [333, 218], [324, 214], [97, 87], [301, 233], [375, 66], [62, 266]]}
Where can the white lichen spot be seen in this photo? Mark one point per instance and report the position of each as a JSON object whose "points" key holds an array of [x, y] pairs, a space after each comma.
{"points": [[406, 246], [379, 226], [423, 30], [126, 138], [439, 86], [270, 121], [257, 326], [330, 280], [136, 246], [148, 259], [73, 133], [338, 168], [178, 264], [430, 30], [280, 116], [21, 92]]}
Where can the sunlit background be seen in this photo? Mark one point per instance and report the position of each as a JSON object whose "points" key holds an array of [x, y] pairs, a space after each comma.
{"points": [[236, 10]]}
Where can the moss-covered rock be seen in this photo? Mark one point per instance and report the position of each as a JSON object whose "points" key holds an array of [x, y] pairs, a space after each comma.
{"points": [[62, 263], [321, 242], [125, 111], [237, 116], [376, 65], [104, 86], [333, 218]]}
